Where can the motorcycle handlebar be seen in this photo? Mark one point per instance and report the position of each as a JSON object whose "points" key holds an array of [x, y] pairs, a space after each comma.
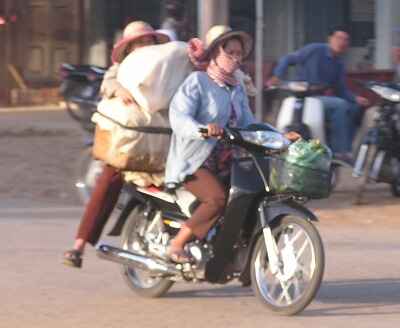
{"points": [[205, 131]]}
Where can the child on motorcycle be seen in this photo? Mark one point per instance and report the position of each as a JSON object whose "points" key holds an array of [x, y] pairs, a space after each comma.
{"points": [[136, 35]]}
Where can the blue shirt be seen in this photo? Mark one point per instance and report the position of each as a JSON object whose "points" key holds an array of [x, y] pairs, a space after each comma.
{"points": [[199, 101], [315, 63]]}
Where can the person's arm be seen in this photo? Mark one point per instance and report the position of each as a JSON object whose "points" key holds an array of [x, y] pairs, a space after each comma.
{"points": [[342, 91], [183, 108], [111, 88], [285, 62], [109, 84]]}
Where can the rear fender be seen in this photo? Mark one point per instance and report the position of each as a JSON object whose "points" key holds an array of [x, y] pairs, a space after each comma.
{"points": [[127, 207]]}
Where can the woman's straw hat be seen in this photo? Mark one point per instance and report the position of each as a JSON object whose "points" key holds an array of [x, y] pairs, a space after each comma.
{"points": [[132, 32], [220, 33]]}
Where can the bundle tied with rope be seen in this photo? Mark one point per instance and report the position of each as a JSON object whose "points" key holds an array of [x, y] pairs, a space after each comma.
{"points": [[135, 138]]}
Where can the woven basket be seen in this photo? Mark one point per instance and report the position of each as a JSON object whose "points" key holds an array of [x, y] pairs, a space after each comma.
{"points": [[140, 160]]}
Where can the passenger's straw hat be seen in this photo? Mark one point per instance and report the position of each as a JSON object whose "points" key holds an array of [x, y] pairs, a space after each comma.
{"points": [[132, 32], [220, 33]]}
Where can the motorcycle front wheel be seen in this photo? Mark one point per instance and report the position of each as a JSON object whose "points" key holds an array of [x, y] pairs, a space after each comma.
{"points": [[301, 263], [141, 281], [364, 177]]}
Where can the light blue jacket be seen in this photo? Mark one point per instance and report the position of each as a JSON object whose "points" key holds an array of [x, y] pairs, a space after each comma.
{"points": [[200, 101]]}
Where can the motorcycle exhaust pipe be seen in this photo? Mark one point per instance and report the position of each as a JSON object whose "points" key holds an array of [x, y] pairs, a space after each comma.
{"points": [[115, 254]]}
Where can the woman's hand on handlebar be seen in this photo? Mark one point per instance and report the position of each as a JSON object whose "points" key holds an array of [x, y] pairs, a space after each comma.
{"points": [[292, 136], [213, 131]]}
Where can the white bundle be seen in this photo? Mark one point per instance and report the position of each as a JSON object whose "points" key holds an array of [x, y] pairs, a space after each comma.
{"points": [[153, 74]]}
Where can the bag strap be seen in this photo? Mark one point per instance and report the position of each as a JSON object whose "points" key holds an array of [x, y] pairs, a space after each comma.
{"points": [[144, 129]]}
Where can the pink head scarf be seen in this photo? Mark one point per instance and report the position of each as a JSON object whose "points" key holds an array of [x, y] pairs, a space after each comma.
{"points": [[220, 67]]}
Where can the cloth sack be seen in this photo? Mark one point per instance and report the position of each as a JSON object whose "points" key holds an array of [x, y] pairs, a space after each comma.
{"points": [[153, 74], [120, 141]]}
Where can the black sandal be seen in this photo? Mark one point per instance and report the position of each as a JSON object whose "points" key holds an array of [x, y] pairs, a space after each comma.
{"points": [[72, 258]]}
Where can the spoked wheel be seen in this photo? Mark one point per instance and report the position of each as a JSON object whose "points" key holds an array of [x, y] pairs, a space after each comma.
{"points": [[87, 172], [364, 177], [141, 281], [301, 262]]}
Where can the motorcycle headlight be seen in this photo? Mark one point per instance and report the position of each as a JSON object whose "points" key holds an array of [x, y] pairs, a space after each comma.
{"points": [[268, 139], [298, 86], [387, 93]]}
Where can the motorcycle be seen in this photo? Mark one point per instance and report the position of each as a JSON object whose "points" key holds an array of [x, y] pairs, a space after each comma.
{"points": [[265, 238], [80, 90], [304, 114], [379, 154]]}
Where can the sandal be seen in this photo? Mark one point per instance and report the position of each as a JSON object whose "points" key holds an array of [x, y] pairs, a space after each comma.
{"points": [[180, 257], [72, 258]]}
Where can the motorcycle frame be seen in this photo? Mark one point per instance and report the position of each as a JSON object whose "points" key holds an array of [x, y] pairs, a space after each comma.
{"points": [[250, 206]]}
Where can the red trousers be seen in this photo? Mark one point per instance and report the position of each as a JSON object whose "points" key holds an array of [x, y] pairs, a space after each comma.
{"points": [[102, 202]]}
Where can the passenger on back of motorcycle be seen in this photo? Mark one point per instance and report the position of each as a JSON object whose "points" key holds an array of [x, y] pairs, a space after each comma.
{"points": [[212, 99], [323, 63], [105, 195]]}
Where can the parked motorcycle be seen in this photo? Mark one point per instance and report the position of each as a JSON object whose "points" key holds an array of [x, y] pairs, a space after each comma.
{"points": [[265, 238], [80, 90], [379, 154], [303, 113]]}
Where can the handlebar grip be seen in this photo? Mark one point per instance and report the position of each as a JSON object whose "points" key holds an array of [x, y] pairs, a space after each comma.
{"points": [[360, 82], [203, 130]]}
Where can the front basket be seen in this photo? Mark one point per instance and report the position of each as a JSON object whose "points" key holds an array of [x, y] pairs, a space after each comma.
{"points": [[289, 178]]}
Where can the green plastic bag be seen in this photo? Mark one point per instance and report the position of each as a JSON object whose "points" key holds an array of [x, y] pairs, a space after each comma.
{"points": [[313, 154], [304, 171]]}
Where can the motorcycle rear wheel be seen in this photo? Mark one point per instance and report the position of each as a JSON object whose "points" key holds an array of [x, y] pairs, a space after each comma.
{"points": [[301, 267], [364, 177], [139, 280]]}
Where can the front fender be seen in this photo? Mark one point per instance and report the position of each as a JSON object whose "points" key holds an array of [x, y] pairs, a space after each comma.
{"points": [[272, 212], [288, 207]]}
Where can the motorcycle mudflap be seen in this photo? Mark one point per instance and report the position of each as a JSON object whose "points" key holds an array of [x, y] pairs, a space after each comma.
{"points": [[246, 186]]}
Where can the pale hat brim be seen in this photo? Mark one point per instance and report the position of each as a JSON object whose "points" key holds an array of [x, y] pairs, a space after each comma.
{"points": [[119, 52], [246, 38]]}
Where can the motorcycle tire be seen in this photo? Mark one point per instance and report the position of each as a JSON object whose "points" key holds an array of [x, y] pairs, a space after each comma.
{"points": [[335, 171], [87, 172], [395, 188], [141, 281], [300, 268], [363, 179]]}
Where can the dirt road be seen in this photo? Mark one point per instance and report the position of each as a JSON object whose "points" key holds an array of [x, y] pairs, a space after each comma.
{"points": [[39, 215]]}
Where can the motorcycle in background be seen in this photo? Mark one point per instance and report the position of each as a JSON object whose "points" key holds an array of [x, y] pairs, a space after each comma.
{"points": [[266, 237], [378, 158], [81, 92], [303, 113]]}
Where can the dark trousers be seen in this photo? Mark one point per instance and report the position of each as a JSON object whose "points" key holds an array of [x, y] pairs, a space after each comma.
{"points": [[212, 194], [98, 210]]}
